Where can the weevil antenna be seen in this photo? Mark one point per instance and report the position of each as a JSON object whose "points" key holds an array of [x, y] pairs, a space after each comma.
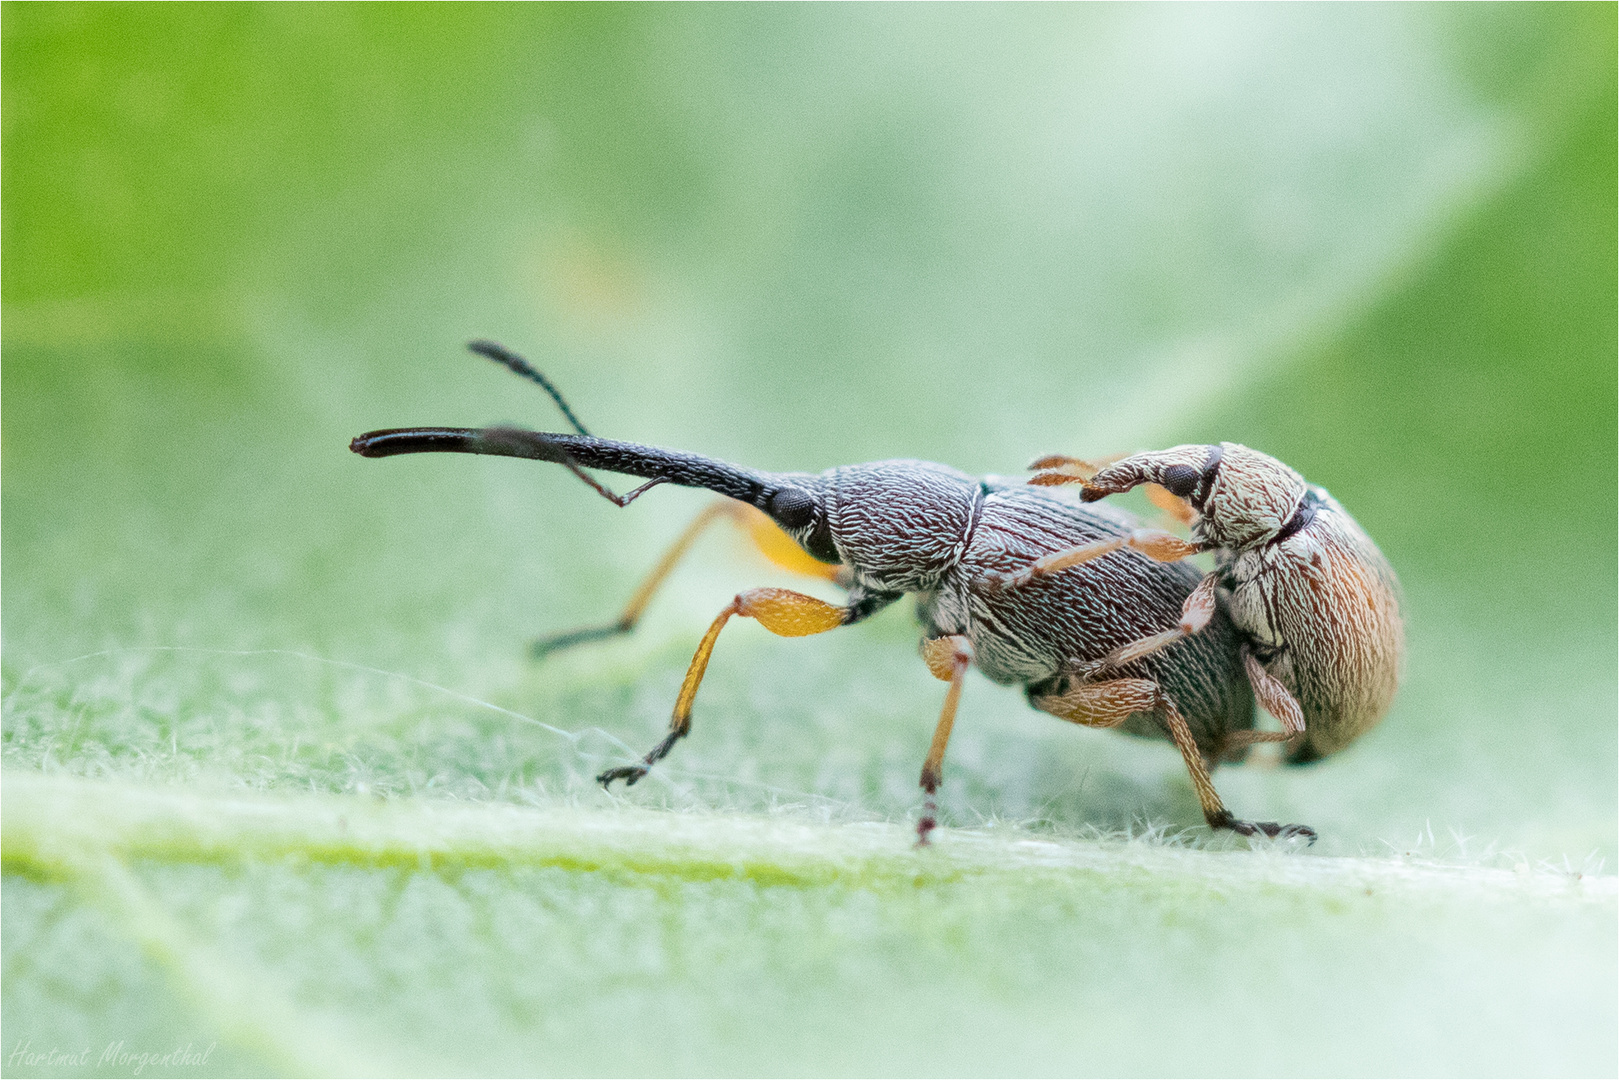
{"points": [[502, 355]]}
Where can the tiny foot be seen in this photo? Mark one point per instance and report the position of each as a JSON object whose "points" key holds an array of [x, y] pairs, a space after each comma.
{"points": [[545, 646], [924, 826], [627, 773], [1270, 828], [930, 813]]}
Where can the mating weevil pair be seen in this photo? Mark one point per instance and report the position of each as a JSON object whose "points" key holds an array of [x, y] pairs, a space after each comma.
{"points": [[1096, 617]]}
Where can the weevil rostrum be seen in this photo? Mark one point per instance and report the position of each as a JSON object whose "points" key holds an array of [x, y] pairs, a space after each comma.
{"points": [[1093, 615]]}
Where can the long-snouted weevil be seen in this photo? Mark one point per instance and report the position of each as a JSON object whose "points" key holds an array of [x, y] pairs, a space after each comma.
{"points": [[1089, 643], [1314, 600]]}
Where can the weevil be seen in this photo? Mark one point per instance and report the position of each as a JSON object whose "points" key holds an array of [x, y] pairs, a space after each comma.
{"points": [[1135, 641], [1315, 602]]}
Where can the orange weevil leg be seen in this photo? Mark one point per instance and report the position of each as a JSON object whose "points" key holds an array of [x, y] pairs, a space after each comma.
{"points": [[781, 611], [1170, 503], [1274, 699], [774, 544], [948, 659], [1153, 543]]}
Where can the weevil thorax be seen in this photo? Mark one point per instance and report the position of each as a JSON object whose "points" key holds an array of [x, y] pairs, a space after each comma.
{"points": [[1245, 499], [901, 525]]}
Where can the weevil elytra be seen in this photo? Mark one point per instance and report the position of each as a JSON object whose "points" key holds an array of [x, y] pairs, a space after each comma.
{"points": [[1131, 641], [1314, 600]]}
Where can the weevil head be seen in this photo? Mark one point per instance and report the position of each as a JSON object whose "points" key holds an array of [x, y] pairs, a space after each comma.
{"points": [[1243, 498], [1249, 500]]}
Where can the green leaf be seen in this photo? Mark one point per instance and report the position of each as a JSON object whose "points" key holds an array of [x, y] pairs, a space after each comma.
{"points": [[282, 792]]}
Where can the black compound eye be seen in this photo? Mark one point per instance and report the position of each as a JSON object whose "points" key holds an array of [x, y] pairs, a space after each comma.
{"points": [[792, 508], [1180, 480]]}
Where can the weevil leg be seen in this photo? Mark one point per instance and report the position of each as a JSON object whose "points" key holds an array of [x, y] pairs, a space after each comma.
{"points": [[644, 592], [1110, 703], [1170, 503], [948, 658], [1195, 615], [781, 611], [774, 544], [1153, 543], [1214, 811], [1102, 704], [1275, 699]]}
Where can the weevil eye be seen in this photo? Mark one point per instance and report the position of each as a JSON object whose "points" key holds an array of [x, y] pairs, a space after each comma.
{"points": [[792, 508], [1180, 480]]}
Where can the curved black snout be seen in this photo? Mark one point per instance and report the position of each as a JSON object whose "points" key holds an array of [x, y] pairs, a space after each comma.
{"points": [[583, 451], [416, 441]]}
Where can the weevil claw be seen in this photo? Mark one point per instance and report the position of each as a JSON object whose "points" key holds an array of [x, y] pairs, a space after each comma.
{"points": [[1271, 829], [627, 773], [926, 825]]}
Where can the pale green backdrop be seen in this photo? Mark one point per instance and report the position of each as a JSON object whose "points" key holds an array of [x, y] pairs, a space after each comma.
{"points": [[1375, 241]]}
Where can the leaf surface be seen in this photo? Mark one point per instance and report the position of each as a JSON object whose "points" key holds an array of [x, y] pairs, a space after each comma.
{"points": [[282, 791]]}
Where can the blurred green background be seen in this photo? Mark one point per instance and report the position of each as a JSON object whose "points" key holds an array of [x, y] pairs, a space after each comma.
{"points": [[1375, 241]]}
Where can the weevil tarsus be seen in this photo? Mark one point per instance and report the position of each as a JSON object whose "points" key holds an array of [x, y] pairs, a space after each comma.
{"points": [[1154, 543], [1196, 612]]}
